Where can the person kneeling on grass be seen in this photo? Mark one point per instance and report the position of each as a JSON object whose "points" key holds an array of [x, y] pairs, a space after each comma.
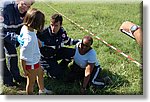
{"points": [[29, 50], [85, 66]]}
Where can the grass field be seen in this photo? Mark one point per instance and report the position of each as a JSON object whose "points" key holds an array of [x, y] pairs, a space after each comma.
{"points": [[104, 20]]}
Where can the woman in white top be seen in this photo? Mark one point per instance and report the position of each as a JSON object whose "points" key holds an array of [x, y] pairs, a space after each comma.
{"points": [[29, 50], [85, 66]]}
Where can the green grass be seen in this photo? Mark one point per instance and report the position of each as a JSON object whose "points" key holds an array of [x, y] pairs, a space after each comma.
{"points": [[103, 20]]}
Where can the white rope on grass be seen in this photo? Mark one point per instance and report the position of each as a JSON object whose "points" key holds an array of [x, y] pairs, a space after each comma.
{"points": [[109, 45]]}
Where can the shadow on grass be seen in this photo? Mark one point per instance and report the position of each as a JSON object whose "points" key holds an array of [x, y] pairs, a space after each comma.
{"points": [[61, 88], [117, 82], [14, 90]]}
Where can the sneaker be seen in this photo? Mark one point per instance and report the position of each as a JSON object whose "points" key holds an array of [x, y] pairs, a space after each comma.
{"points": [[45, 92]]}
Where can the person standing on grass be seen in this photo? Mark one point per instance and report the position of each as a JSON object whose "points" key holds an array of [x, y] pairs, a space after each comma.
{"points": [[53, 39], [13, 14], [29, 50], [86, 66]]}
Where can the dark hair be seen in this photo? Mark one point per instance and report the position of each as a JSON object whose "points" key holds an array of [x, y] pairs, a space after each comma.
{"points": [[89, 38], [57, 17], [34, 19]]}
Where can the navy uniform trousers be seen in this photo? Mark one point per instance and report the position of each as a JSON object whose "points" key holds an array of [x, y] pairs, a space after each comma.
{"points": [[78, 73], [12, 56], [7, 76], [51, 65], [53, 50]]}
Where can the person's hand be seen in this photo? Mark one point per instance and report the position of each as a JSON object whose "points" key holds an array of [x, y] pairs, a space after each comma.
{"points": [[137, 34], [26, 73], [41, 44], [126, 26]]}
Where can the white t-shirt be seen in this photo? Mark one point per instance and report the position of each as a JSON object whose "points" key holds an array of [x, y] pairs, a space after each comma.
{"points": [[29, 50], [82, 60]]}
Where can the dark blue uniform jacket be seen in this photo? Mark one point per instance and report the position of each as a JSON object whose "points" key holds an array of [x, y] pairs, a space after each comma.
{"points": [[12, 22], [53, 42]]}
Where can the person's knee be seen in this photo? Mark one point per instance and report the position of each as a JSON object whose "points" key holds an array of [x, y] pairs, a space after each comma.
{"points": [[40, 72]]}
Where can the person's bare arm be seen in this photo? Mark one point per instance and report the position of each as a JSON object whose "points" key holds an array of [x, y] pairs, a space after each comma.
{"points": [[88, 71], [126, 26], [39, 43]]}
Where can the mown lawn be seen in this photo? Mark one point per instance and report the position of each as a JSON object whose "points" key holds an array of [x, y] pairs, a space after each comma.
{"points": [[104, 20]]}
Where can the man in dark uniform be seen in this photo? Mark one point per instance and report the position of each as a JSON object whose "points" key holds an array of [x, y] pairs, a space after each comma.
{"points": [[52, 48], [13, 14]]}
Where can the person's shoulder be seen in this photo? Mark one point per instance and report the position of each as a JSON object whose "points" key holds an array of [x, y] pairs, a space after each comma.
{"points": [[8, 5], [45, 30], [24, 28], [43, 33], [92, 52], [77, 44], [62, 30]]}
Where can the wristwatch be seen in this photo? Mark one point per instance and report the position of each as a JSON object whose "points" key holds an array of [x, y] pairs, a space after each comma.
{"points": [[134, 28]]}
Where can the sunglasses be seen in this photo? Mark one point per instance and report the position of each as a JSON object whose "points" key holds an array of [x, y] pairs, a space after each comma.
{"points": [[82, 44]]}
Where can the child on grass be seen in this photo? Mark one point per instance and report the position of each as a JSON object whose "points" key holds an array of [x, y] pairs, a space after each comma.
{"points": [[29, 50]]}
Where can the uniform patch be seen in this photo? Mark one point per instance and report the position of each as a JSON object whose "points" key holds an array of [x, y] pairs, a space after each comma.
{"points": [[63, 35]]}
